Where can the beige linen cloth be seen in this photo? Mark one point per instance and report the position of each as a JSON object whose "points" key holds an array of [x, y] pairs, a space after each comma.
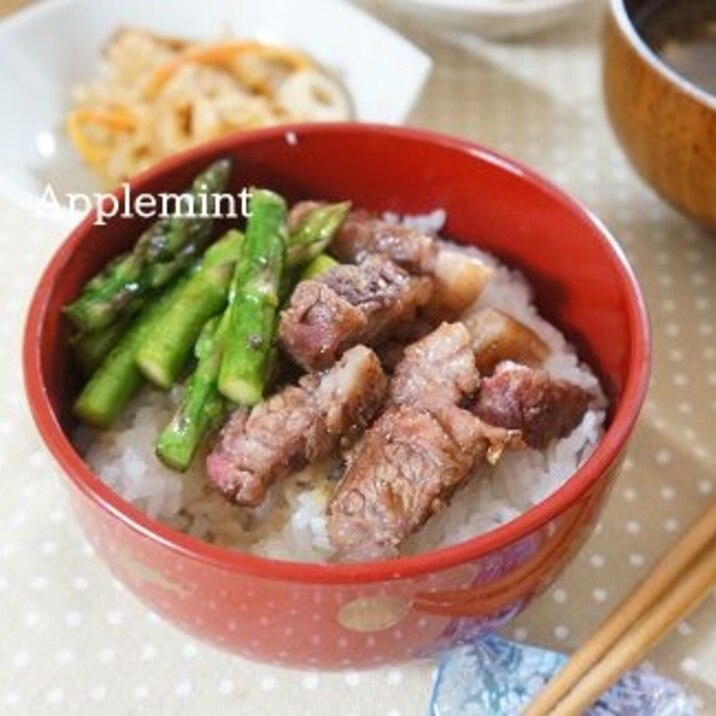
{"points": [[73, 641]]}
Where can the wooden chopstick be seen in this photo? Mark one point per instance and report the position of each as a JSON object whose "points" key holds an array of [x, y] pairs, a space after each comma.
{"points": [[679, 601], [637, 621]]}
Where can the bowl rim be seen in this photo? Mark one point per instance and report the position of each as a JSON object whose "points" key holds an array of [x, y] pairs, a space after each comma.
{"points": [[626, 25], [605, 456]]}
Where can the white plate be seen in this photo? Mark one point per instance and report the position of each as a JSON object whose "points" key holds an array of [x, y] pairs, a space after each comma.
{"points": [[49, 48], [494, 18]]}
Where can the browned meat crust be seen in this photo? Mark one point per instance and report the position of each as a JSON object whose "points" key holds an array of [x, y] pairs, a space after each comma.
{"points": [[541, 407], [392, 350], [437, 370], [405, 469], [296, 426], [497, 336], [423, 447], [346, 306], [362, 234], [458, 277]]}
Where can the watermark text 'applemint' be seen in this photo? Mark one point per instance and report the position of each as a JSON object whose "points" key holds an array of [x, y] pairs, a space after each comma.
{"points": [[127, 205]]}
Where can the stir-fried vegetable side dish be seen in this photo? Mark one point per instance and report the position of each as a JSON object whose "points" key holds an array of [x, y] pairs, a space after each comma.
{"points": [[407, 392], [160, 95]]}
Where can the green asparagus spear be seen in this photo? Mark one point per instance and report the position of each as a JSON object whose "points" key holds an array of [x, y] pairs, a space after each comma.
{"points": [[118, 378], [166, 248], [91, 349], [253, 311], [314, 232], [166, 349], [202, 407], [226, 250], [319, 265]]}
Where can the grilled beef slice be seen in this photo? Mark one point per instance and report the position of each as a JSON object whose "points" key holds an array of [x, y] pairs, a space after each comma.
{"points": [[347, 306], [299, 424], [458, 276], [531, 401], [363, 234], [418, 453]]}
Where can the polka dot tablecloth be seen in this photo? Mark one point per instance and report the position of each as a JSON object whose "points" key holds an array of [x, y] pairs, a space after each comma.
{"points": [[75, 642]]}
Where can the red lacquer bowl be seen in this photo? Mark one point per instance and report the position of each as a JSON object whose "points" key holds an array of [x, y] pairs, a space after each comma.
{"points": [[360, 615]]}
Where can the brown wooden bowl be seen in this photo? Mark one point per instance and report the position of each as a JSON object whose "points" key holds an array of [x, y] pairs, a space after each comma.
{"points": [[665, 124]]}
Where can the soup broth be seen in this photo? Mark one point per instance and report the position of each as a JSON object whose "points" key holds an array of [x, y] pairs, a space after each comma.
{"points": [[683, 34]]}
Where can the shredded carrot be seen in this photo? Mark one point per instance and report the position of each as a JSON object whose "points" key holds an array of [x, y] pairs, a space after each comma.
{"points": [[219, 54], [115, 119], [112, 119]]}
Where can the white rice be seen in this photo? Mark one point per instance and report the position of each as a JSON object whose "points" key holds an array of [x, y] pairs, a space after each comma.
{"points": [[291, 524]]}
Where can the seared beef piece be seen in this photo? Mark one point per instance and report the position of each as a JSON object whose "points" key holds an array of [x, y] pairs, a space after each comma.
{"points": [[541, 407], [317, 325], [497, 336], [346, 306], [414, 457], [437, 370], [406, 468], [459, 277], [363, 234], [296, 426], [392, 350]]}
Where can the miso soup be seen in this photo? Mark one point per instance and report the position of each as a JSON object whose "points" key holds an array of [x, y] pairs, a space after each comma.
{"points": [[683, 34]]}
